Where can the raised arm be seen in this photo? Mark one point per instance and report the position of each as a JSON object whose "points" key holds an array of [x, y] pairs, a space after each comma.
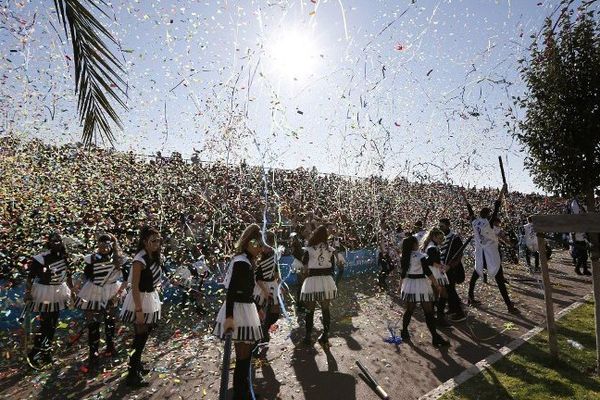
{"points": [[498, 202], [469, 208]]}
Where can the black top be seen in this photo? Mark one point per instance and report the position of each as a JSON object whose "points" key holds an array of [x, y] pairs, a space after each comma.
{"points": [[151, 273], [98, 266], [433, 255], [425, 264], [266, 269], [450, 250], [241, 286], [49, 268]]}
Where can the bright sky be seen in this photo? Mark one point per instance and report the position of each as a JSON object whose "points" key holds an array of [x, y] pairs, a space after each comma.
{"points": [[413, 88]]}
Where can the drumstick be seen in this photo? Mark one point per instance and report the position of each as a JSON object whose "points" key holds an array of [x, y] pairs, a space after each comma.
{"points": [[378, 389], [225, 367]]}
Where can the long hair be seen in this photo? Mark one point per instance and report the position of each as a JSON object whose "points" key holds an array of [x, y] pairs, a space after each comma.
{"points": [[145, 234], [318, 236], [117, 252], [251, 232], [55, 236], [430, 235], [408, 245]]}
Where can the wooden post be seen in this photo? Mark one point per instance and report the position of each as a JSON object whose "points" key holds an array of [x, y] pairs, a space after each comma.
{"points": [[548, 297], [595, 253]]}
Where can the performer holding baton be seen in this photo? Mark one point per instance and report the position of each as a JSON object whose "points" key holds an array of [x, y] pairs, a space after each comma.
{"points": [[238, 313], [487, 253]]}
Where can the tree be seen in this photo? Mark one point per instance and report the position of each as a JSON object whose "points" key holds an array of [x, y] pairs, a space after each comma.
{"points": [[561, 127], [97, 70]]}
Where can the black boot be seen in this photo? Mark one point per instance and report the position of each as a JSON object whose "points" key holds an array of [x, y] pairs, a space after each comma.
{"points": [[109, 330], [94, 338], [405, 322], [309, 321], [437, 340], [441, 317], [405, 335], [134, 376], [33, 358], [324, 337], [241, 383]]}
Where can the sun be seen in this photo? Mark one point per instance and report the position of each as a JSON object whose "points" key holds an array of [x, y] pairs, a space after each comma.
{"points": [[292, 53]]}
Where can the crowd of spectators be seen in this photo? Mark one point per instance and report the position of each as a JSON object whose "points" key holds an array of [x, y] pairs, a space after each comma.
{"points": [[202, 207]]}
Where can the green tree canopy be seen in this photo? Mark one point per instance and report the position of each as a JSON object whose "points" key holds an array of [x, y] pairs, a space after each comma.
{"points": [[561, 127]]}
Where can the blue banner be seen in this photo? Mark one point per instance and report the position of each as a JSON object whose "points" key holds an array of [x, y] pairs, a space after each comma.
{"points": [[358, 262]]}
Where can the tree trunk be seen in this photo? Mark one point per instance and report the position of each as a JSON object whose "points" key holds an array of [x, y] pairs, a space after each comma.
{"points": [[595, 240]]}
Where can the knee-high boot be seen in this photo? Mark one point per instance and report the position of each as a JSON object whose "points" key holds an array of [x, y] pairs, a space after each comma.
{"points": [[405, 322], [241, 381], [309, 321], [324, 338], [437, 340]]}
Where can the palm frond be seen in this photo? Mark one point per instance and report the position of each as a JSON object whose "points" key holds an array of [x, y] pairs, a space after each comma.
{"points": [[97, 70]]}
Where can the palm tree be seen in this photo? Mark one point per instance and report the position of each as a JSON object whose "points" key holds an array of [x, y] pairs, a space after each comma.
{"points": [[97, 70]]}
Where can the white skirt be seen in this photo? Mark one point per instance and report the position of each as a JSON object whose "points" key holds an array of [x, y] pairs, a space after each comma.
{"points": [[259, 296], [417, 290], [246, 321], [49, 298], [95, 297], [150, 307], [316, 288], [439, 276]]}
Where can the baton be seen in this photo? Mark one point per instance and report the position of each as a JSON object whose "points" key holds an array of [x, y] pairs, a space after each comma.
{"points": [[502, 169], [225, 367], [378, 389]]}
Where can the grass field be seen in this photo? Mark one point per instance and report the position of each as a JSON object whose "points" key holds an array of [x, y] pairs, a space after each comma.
{"points": [[530, 374]]}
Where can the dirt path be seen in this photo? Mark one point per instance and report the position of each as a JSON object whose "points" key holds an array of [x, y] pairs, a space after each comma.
{"points": [[186, 362]]}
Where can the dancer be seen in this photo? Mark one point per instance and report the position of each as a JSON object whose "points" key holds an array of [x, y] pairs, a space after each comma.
{"points": [[297, 249], [579, 241], [99, 295], [48, 290], [338, 259], [142, 304], [268, 278], [416, 280], [433, 239], [531, 246], [238, 313], [487, 253], [451, 255], [580, 244], [319, 285]]}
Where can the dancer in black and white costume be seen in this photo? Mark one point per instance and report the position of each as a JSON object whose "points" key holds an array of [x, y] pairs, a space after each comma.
{"points": [[238, 313], [297, 249], [268, 279], [48, 291], [106, 278], [142, 304], [451, 253], [430, 246], [319, 285], [487, 251], [416, 281]]}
